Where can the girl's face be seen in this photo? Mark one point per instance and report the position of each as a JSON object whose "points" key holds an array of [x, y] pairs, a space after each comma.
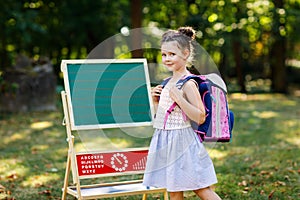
{"points": [[172, 57]]}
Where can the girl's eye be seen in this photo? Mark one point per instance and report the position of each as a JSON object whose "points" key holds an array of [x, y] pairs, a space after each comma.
{"points": [[168, 54]]}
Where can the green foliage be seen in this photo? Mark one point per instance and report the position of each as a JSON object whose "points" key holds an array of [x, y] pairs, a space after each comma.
{"points": [[57, 29], [71, 29], [167, 14]]}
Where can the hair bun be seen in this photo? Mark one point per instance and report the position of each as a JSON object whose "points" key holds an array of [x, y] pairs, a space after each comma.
{"points": [[188, 31]]}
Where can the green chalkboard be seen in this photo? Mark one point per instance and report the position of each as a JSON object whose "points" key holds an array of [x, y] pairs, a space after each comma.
{"points": [[107, 93]]}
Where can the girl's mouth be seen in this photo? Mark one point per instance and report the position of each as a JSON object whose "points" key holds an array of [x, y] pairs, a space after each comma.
{"points": [[168, 64]]}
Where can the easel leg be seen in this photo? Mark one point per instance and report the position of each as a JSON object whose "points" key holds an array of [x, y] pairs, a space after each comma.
{"points": [[144, 196], [66, 180], [166, 196]]}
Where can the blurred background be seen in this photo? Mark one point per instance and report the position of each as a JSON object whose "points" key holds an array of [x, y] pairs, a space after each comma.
{"points": [[254, 43]]}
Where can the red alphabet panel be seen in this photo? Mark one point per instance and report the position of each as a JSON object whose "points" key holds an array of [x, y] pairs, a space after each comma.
{"points": [[111, 162]]}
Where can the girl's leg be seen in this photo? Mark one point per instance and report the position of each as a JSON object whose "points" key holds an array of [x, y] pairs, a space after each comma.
{"points": [[207, 194], [176, 195]]}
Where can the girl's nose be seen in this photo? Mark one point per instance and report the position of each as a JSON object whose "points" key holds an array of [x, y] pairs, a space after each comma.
{"points": [[168, 57]]}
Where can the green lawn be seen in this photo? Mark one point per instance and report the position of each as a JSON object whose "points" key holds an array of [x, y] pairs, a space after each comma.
{"points": [[262, 161]]}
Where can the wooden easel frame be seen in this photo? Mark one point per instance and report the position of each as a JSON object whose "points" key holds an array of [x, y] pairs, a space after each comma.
{"points": [[132, 187], [76, 189]]}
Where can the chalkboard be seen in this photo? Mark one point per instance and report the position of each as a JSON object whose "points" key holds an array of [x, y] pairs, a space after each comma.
{"points": [[107, 93]]}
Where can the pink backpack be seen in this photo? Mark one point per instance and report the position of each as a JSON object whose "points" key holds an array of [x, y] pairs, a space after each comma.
{"points": [[219, 119]]}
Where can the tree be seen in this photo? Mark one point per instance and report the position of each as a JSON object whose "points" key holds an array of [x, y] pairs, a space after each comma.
{"points": [[245, 38], [278, 48], [57, 29], [136, 22]]}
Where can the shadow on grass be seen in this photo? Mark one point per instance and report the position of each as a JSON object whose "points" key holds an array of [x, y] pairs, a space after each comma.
{"points": [[261, 162], [33, 155]]}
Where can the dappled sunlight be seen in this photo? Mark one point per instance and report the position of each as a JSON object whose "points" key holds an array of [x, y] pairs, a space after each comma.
{"points": [[106, 139], [102, 143], [92, 144], [289, 102], [41, 125], [39, 180], [12, 168], [293, 136], [90, 140], [266, 138], [139, 132], [217, 154], [238, 96], [256, 97], [121, 142], [61, 152], [291, 139], [265, 114], [13, 138], [294, 140], [295, 123]]}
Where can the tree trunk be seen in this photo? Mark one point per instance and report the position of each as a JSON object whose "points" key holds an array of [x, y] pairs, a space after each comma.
{"points": [[279, 79], [4, 63], [136, 35], [277, 53], [238, 64]]}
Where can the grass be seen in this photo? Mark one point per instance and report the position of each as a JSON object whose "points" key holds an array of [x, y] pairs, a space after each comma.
{"points": [[262, 161]]}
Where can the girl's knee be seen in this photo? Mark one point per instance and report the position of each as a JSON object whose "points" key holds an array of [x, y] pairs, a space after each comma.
{"points": [[176, 195], [202, 190]]}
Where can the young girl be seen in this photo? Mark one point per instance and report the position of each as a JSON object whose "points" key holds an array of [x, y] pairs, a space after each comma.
{"points": [[177, 160]]}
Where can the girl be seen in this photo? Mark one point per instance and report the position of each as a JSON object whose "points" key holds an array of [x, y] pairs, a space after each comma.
{"points": [[177, 160]]}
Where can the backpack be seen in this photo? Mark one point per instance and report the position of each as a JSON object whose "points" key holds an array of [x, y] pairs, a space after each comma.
{"points": [[219, 119]]}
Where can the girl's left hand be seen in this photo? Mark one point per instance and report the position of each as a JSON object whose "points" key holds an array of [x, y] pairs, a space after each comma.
{"points": [[176, 94]]}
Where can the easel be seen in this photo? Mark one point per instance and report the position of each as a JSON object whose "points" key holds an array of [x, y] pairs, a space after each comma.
{"points": [[85, 165]]}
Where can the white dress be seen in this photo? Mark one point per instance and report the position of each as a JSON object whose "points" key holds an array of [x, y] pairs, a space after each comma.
{"points": [[177, 160]]}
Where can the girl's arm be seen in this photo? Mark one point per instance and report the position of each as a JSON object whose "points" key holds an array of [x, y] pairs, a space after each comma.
{"points": [[189, 100]]}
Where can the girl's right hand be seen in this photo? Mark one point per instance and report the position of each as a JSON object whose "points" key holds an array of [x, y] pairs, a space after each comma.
{"points": [[155, 92]]}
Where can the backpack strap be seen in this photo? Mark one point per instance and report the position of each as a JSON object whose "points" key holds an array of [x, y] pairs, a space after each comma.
{"points": [[165, 81], [171, 108], [179, 85], [169, 112]]}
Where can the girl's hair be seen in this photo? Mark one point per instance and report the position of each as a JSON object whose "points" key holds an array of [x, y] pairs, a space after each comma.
{"points": [[184, 36]]}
